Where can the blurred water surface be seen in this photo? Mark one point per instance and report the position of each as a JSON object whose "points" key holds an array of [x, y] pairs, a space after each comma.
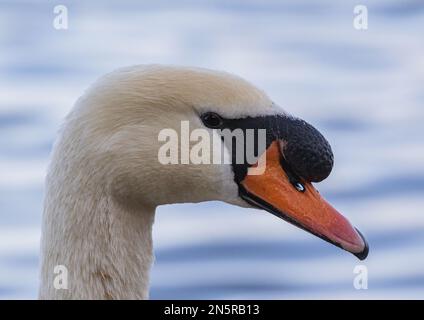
{"points": [[362, 89]]}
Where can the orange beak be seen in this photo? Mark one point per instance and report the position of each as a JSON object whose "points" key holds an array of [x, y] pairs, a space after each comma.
{"points": [[274, 191]]}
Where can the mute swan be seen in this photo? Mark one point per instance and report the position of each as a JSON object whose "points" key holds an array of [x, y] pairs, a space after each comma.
{"points": [[104, 180]]}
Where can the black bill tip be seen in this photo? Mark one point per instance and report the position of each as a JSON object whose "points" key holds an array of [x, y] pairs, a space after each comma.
{"points": [[364, 254]]}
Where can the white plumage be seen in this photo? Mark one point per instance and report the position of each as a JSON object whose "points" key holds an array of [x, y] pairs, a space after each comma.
{"points": [[104, 181]]}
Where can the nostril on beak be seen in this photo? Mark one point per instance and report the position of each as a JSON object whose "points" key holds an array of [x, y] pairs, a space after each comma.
{"points": [[307, 152]]}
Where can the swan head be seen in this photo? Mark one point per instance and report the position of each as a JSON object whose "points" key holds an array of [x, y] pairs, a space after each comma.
{"points": [[133, 130]]}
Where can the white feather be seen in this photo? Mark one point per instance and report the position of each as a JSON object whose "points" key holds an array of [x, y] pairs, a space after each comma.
{"points": [[105, 181]]}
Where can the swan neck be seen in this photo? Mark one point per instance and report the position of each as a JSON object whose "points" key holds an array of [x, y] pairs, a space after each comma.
{"points": [[105, 248]]}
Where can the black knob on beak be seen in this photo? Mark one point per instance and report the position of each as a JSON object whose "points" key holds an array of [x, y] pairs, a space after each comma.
{"points": [[307, 151]]}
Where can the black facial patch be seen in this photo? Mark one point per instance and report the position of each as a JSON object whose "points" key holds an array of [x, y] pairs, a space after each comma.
{"points": [[305, 151]]}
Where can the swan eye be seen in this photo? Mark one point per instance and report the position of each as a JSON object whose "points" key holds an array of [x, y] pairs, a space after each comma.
{"points": [[212, 120]]}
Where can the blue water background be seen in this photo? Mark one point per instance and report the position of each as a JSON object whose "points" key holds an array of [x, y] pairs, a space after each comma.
{"points": [[363, 89]]}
